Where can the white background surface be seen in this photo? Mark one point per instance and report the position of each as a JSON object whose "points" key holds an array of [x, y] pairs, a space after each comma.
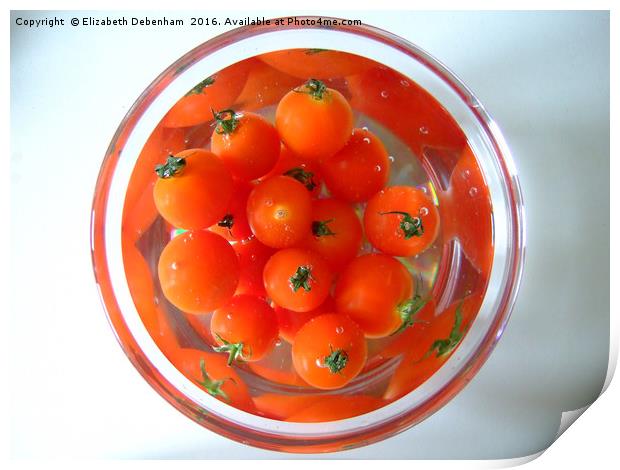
{"points": [[545, 79]]}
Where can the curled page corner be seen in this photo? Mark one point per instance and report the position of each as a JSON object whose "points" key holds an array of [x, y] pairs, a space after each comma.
{"points": [[568, 418]]}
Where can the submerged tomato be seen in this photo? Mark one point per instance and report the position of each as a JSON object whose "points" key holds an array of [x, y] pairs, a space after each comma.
{"points": [[198, 271], [336, 232], [253, 256], [290, 322], [264, 87], [329, 351], [193, 189], [246, 328], [314, 121], [234, 225], [376, 291], [359, 170], [246, 142], [336, 407], [211, 372], [401, 221], [302, 169], [279, 211], [297, 279]]}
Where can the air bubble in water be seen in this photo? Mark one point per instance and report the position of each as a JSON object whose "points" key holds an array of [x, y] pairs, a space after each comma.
{"points": [[173, 266], [378, 168], [366, 140], [269, 202], [404, 83], [384, 94], [466, 173], [364, 128], [278, 343], [423, 211], [423, 130], [391, 158], [340, 330], [473, 191], [424, 190]]}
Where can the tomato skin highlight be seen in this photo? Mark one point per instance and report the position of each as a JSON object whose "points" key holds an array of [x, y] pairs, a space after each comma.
{"points": [[198, 196], [234, 225], [311, 127], [323, 337], [344, 238], [370, 290], [384, 228], [308, 266], [247, 320], [251, 150], [359, 170], [279, 211], [198, 271], [253, 255], [187, 361], [290, 322]]}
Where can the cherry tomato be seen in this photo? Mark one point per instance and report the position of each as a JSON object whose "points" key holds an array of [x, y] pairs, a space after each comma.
{"points": [[297, 279], [277, 406], [198, 271], [336, 407], [265, 86], [218, 91], [404, 107], [376, 291], [359, 170], [246, 328], [303, 170], [253, 256], [290, 322], [193, 189], [279, 211], [139, 211], [211, 372], [401, 221], [409, 375], [234, 225], [468, 210], [246, 142], [336, 232], [275, 373], [314, 121], [320, 63], [329, 351]]}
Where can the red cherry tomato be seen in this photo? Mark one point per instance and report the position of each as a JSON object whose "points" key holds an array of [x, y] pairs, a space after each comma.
{"points": [[401, 221], [246, 142], [198, 271], [193, 189], [297, 279], [320, 63], [303, 170], [289, 322], [336, 407], [336, 232], [376, 291], [218, 91], [253, 256], [314, 121], [234, 225], [359, 170], [279, 211], [211, 372], [265, 86], [246, 328], [329, 351]]}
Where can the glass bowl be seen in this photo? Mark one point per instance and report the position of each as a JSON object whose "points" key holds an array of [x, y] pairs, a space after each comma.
{"points": [[471, 258]]}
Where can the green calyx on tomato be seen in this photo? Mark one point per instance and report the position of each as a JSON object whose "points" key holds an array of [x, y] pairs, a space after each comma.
{"points": [[302, 278], [201, 86], [226, 121], [408, 311], [321, 229], [315, 88], [304, 177], [411, 226], [213, 387], [172, 167], [445, 346], [337, 360], [315, 51], [234, 350]]}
